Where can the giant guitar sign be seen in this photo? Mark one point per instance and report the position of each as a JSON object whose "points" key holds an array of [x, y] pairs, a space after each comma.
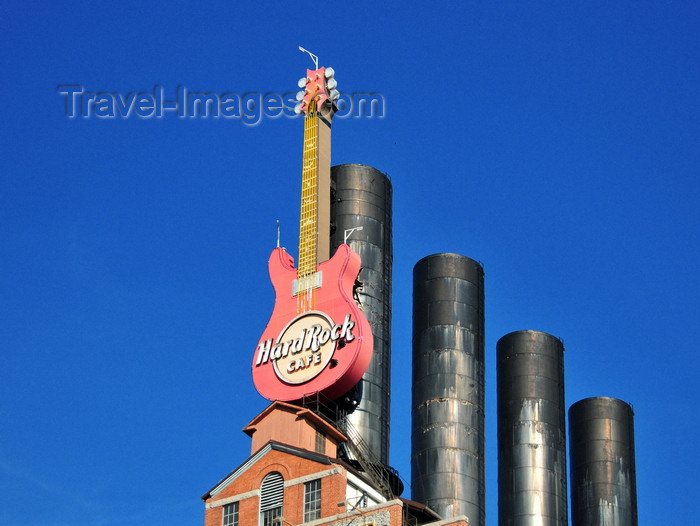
{"points": [[317, 340]]}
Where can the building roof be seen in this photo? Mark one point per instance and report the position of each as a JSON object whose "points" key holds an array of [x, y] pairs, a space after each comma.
{"points": [[268, 442], [270, 446], [420, 511], [301, 414]]}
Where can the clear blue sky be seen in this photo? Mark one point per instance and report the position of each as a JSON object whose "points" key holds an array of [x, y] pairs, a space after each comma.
{"points": [[556, 142]]}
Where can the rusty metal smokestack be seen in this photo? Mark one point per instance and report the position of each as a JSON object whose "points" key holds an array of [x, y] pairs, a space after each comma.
{"points": [[361, 216], [603, 477], [447, 438], [531, 430]]}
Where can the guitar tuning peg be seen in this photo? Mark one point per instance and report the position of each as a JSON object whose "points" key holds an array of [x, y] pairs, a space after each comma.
{"points": [[332, 83], [302, 82], [329, 72]]}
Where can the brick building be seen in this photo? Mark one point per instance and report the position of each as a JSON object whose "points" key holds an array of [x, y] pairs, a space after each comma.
{"points": [[294, 477]]}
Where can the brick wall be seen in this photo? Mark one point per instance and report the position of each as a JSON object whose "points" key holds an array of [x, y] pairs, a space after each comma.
{"points": [[295, 471]]}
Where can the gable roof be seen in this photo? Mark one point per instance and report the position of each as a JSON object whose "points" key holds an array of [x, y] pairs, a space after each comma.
{"points": [[301, 414], [270, 446]]}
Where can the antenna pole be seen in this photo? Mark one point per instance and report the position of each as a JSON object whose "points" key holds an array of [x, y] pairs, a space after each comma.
{"points": [[313, 57], [278, 233]]}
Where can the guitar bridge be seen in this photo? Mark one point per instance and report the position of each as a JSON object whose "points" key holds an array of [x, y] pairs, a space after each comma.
{"points": [[307, 283]]}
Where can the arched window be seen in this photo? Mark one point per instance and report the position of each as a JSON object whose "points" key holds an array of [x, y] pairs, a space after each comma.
{"points": [[271, 498]]}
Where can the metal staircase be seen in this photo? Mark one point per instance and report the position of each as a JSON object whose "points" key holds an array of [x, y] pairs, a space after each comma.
{"points": [[359, 451], [356, 450]]}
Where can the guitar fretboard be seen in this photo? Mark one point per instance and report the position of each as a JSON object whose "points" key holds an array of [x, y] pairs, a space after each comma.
{"points": [[308, 226], [308, 217]]}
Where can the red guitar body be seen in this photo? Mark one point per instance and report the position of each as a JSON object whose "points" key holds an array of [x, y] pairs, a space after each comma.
{"points": [[322, 346]]}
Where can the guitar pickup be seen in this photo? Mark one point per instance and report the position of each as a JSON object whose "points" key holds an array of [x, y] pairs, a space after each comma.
{"points": [[305, 284]]}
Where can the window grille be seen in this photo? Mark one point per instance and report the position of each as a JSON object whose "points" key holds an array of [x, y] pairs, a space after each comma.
{"points": [[271, 499], [312, 500], [231, 514], [320, 441]]}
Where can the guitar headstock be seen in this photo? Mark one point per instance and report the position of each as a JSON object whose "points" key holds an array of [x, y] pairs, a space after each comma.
{"points": [[318, 86]]}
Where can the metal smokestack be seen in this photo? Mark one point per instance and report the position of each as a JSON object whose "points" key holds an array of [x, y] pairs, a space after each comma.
{"points": [[531, 430], [361, 211], [603, 478], [447, 439]]}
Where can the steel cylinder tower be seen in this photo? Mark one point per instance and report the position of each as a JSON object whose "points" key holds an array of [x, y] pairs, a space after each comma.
{"points": [[531, 430], [447, 439], [361, 217], [603, 478]]}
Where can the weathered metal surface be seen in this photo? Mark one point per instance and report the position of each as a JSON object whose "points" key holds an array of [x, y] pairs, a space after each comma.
{"points": [[531, 430], [363, 199], [447, 439], [603, 475]]}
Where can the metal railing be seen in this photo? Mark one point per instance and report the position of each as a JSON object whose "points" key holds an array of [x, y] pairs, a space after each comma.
{"points": [[356, 448]]}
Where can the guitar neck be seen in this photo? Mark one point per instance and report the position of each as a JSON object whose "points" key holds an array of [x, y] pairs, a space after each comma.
{"points": [[308, 217], [314, 217]]}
